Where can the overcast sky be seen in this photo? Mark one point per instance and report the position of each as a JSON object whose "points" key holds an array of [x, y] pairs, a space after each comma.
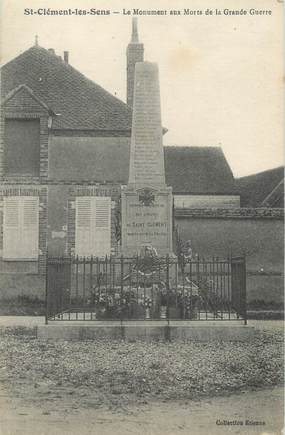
{"points": [[220, 76]]}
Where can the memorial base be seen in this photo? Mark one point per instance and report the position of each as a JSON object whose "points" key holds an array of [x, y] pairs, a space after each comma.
{"points": [[146, 219]]}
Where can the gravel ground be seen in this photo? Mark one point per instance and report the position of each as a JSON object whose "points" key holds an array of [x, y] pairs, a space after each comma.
{"points": [[119, 373], [111, 387], [201, 417]]}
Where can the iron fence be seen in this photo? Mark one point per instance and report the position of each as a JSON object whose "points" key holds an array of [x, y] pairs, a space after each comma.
{"points": [[149, 288]]}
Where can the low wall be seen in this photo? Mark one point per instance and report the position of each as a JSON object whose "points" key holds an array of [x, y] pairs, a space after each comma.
{"points": [[22, 284], [258, 233], [193, 331]]}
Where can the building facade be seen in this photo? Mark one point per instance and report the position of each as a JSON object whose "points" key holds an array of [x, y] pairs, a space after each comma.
{"points": [[64, 156]]}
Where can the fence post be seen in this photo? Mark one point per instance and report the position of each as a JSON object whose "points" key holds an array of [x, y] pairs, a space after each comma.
{"points": [[167, 329], [121, 296], [84, 287], [183, 287], [46, 292], [244, 290]]}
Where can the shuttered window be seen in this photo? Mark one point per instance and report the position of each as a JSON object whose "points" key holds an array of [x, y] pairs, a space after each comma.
{"points": [[22, 147], [93, 226], [21, 228]]}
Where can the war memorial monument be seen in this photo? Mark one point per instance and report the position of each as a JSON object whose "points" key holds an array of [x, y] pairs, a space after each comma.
{"points": [[146, 200]]}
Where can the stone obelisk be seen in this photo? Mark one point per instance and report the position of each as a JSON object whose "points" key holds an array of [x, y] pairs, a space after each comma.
{"points": [[146, 201]]}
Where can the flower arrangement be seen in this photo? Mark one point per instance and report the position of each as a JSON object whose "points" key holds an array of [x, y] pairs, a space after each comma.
{"points": [[144, 302]]}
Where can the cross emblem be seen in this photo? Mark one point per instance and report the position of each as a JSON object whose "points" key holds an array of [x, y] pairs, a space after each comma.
{"points": [[146, 197]]}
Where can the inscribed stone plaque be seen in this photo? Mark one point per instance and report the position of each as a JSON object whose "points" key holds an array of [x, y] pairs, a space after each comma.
{"points": [[146, 219]]}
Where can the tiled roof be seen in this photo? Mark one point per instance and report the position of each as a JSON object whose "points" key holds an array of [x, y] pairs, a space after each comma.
{"points": [[255, 189], [81, 103], [197, 170]]}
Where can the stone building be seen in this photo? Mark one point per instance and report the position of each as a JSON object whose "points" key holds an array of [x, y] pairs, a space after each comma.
{"points": [[64, 156]]}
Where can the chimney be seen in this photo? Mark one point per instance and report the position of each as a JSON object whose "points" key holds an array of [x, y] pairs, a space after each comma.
{"points": [[135, 53], [66, 56], [51, 51]]}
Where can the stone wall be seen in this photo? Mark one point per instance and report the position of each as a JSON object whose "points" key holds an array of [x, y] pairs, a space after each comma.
{"points": [[231, 213], [206, 201], [257, 233], [88, 159], [13, 285]]}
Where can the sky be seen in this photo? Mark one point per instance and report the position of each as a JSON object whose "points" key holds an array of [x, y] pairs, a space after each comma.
{"points": [[220, 75]]}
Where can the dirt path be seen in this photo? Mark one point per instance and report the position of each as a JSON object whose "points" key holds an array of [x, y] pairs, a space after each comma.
{"points": [[55, 417]]}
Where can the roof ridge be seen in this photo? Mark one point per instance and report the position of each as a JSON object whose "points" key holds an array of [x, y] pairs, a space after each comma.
{"points": [[194, 146], [261, 172], [21, 54], [54, 56], [82, 103]]}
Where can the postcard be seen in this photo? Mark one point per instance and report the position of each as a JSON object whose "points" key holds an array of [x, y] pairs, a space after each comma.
{"points": [[141, 217]]}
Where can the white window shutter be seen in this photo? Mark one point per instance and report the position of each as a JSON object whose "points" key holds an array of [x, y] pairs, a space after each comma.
{"points": [[11, 228], [21, 228], [102, 230], [93, 226], [83, 230], [30, 227]]}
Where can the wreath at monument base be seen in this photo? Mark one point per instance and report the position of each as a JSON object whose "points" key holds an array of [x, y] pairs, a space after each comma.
{"points": [[148, 263]]}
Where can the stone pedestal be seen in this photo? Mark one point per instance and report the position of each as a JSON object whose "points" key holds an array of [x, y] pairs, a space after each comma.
{"points": [[146, 220]]}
